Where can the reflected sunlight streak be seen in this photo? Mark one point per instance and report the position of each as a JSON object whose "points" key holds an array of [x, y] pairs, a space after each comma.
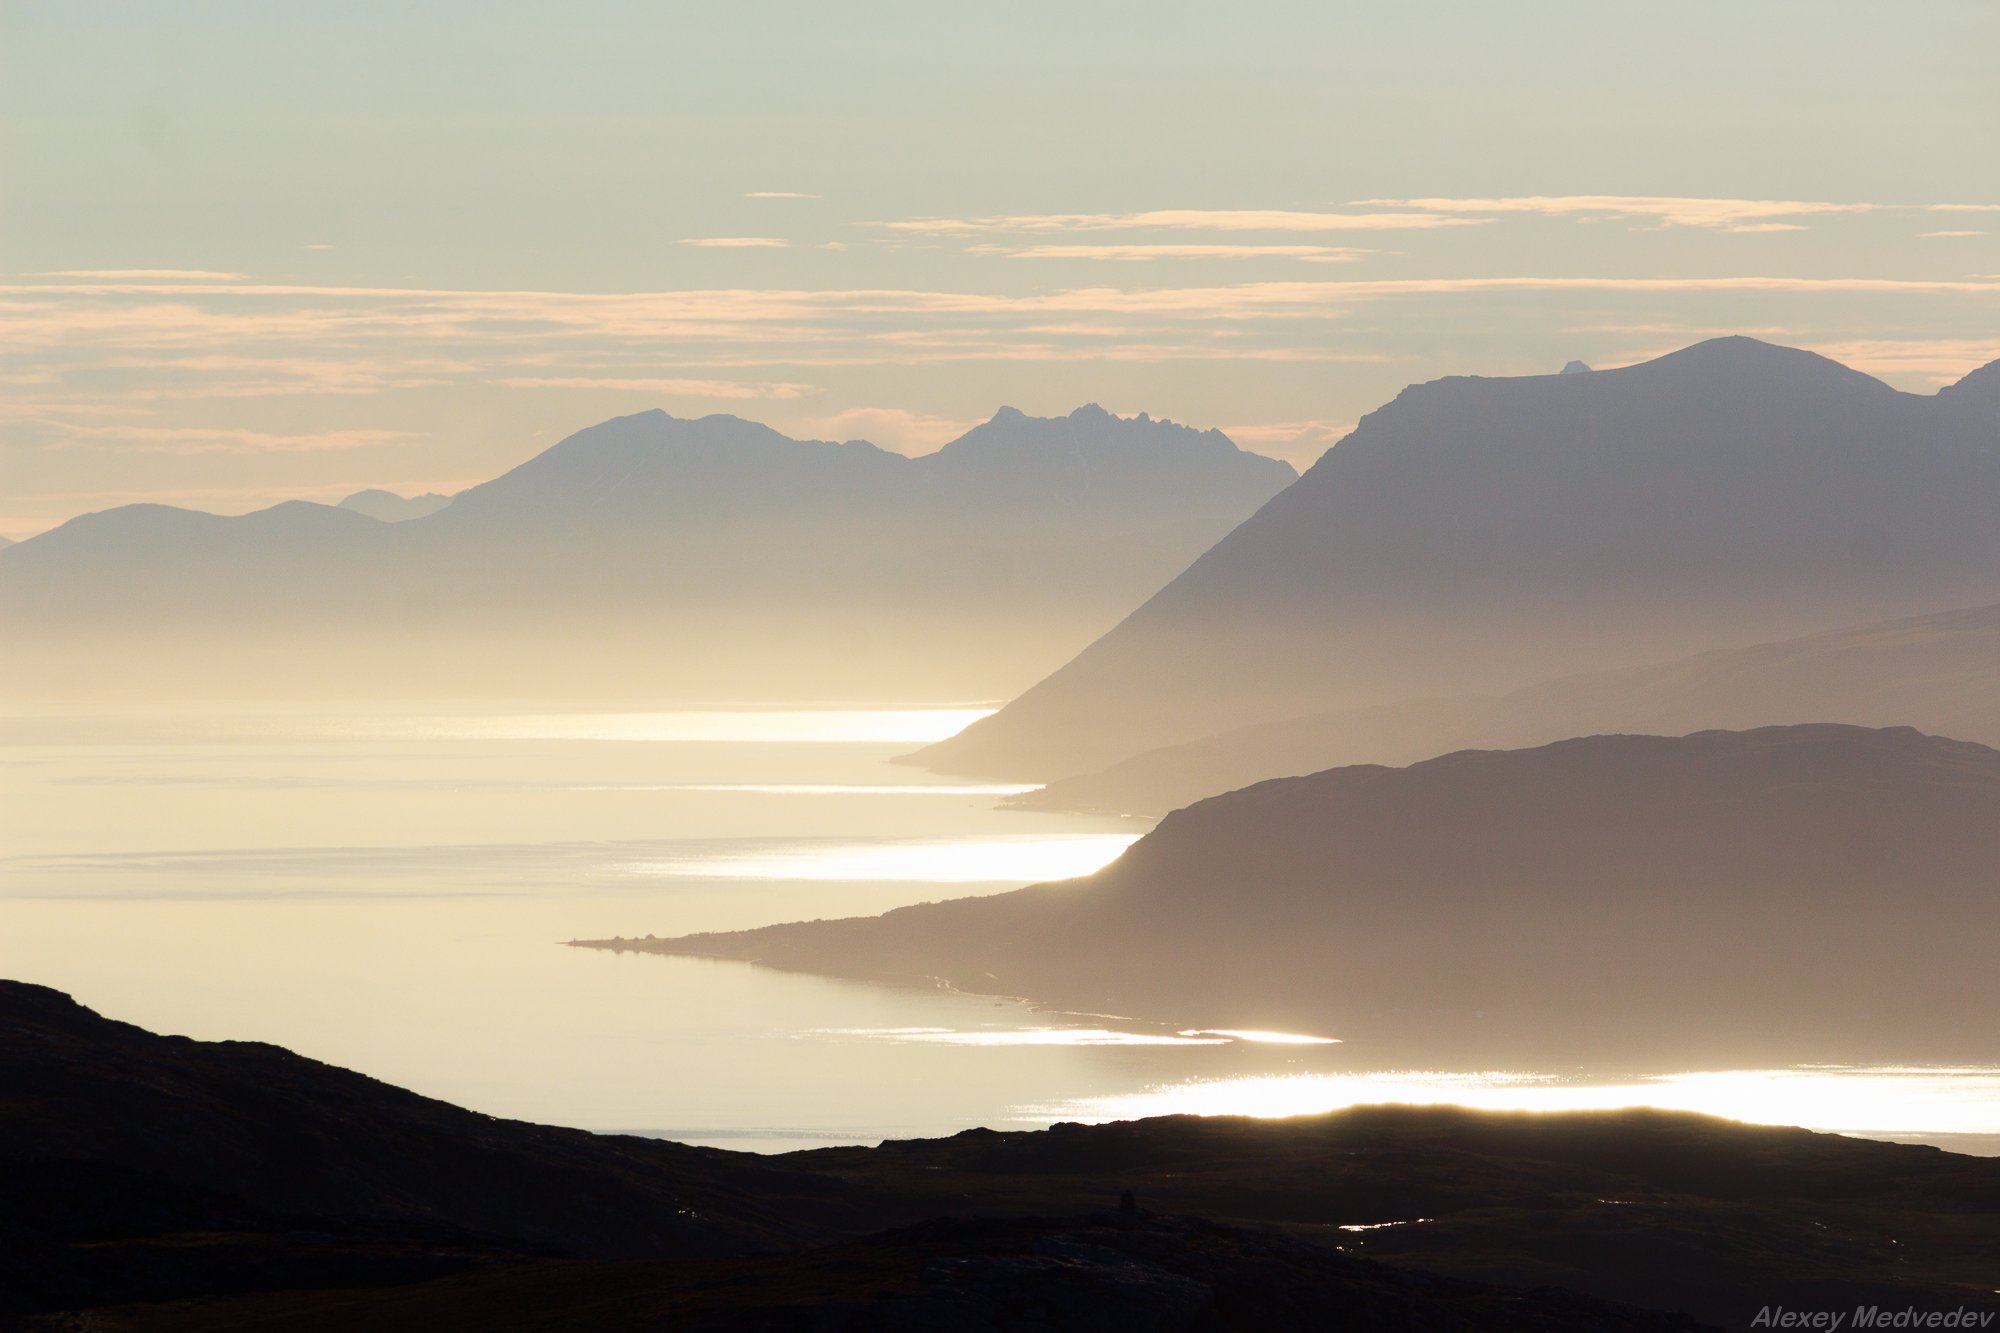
{"points": [[1030, 1037], [1888, 1099], [1261, 1036], [1025, 857], [841, 788], [771, 726]]}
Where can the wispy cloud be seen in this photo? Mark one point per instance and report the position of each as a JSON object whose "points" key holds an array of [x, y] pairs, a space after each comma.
{"points": [[1299, 443], [1739, 215], [738, 242], [1666, 210], [1185, 219], [1289, 432], [147, 274], [56, 411], [686, 388], [1684, 331], [1950, 233], [778, 194], [778, 326], [221, 375], [324, 311], [1939, 360], [223, 439], [1324, 254], [894, 428]]}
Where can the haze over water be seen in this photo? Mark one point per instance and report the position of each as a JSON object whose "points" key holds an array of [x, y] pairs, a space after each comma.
{"points": [[406, 921]]}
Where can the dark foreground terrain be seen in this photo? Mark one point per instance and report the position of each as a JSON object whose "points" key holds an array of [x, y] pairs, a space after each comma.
{"points": [[155, 1183]]}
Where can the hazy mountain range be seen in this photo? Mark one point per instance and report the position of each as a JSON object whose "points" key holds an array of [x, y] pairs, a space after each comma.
{"points": [[389, 507], [233, 1185], [651, 556], [1935, 673], [1791, 893], [1476, 535]]}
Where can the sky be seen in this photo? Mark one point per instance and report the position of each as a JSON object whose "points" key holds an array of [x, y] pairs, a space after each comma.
{"points": [[252, 252]]}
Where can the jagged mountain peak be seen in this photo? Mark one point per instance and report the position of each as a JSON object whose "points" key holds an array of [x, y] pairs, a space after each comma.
{"points": [[1479, 533]]}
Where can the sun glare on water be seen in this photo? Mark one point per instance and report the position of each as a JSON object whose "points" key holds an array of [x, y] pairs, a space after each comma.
{"points": [[1041, 1036], [1024, 857], [1906, 1100], [855, 788], [746, 726]]}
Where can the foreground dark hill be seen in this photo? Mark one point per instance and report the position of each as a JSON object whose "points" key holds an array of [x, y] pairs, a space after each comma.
{"points": [[1787, 894], [1035, 1275], [1935, 673], [1663, 1210], [255, 1160], [649, 556], [155, 1183], [1476, 535]]}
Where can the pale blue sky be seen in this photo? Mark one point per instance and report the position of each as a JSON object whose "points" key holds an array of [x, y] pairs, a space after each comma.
{"points": [[464, 229]]}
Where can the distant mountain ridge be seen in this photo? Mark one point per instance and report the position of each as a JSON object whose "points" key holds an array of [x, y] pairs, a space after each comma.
{"points": [[1797, 894], [389, 507], [1935, 673], [654, 555], [1475, 535]]}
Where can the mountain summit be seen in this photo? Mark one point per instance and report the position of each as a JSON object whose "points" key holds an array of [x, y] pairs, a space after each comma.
{"points": [[650, 555], [1475, 535]]}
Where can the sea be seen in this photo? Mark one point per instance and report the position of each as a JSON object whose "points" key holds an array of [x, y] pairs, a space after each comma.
{"points": [[392, 889]]}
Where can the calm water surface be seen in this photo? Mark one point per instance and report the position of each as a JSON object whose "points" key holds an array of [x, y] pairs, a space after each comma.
{"points": [[387, 891]]}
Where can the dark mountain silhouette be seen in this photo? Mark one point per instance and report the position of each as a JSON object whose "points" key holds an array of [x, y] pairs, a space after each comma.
{"points": [[1787, 894], [257, 1156], [140, 1168], [1075, 1274], [389, 507], [1476, 535], [1935, 673], [712, 558]]}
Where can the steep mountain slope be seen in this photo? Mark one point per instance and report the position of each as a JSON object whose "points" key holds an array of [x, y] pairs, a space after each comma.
{"points": [[1790, 894], [1934, 673], [1475, 535], [652, 556], [109, 1132]]}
